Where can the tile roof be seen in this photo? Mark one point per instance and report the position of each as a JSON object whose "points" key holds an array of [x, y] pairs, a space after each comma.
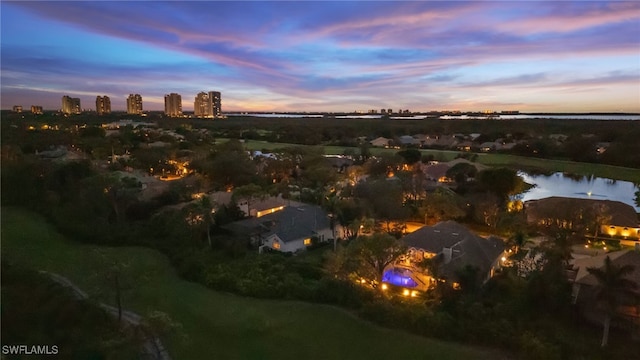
{"points": [[618, 258], [291, 223], [621, 213], [467, 248]]}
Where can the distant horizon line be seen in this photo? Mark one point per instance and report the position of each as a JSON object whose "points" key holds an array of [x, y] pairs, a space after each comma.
{"points": [[360, 112]]}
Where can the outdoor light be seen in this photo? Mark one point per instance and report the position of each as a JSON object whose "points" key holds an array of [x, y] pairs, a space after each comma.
{"points": [[384, 286], [406, 292]]}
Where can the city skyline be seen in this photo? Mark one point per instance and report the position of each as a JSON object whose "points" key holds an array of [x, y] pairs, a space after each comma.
{"points": [[327, 56]]}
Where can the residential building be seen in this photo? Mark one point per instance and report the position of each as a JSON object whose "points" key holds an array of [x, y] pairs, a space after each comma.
{"points": [[103, 105], [260, 207], [173, 105], [406, 140], [71, 105], [290, 229], [438, 173], [487, 146], [17, 108], [380, 142], [452, 248], [208, 105], [36, 109], [585, 287], [134, 104], [613, 218]]}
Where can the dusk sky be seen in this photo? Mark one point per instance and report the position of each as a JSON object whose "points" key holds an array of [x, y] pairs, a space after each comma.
{"points": [[560, 56]]}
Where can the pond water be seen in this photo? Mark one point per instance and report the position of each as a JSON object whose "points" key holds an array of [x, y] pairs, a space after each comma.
{"points": [[585, 187]]}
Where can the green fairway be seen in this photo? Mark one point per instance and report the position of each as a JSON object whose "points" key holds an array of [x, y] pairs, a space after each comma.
{"points": [[217, 325]]}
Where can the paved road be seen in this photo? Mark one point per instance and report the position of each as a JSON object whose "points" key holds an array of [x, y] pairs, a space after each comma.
{"points": [[153, 348]]}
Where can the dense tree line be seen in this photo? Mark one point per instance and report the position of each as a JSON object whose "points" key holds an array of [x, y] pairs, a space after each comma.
{"points": [[583, 135]]}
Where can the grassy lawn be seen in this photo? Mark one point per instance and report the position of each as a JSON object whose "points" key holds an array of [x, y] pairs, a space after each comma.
{"points": [[599, 170], [216, 325], [520, 162]]}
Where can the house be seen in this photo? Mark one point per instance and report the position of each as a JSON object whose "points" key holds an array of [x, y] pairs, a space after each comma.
{"points": [[380, 142], [455, 249], [261, 206], [259, 154], [601, 147], [423, 139], [487, 146], [291, 229], [437, 172], [406, 140], [464, 146], [620, 220], [507, 146], [339, 162], [474, 136], [584, 286], [446, 141]]}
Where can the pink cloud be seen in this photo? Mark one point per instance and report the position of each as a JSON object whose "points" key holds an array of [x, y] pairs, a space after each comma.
{"points": [[570, 22]]}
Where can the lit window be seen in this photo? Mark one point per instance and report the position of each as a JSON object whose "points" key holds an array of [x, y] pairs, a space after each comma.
{"points": [[276, 245], [307, 241]]}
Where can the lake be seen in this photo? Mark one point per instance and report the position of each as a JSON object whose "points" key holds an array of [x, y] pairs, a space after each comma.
{"points": [[575, 186]]}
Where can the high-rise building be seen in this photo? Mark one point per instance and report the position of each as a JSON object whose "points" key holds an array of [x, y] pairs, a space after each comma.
{"points": [[103, 105], [216, 103], [71, 105], [207, 105], [36, 109], [17, 108], [173, 105], [134, 104], [201, 105]]}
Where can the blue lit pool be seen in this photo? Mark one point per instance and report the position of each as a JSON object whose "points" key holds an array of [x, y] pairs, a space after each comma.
{"points": [[399, 277]]}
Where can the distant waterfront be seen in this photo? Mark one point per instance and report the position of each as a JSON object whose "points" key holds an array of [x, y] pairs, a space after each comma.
{"points": [[446, 117]]}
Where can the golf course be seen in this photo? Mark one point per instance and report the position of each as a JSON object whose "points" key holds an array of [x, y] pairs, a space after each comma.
{"points": [[213, 325]]}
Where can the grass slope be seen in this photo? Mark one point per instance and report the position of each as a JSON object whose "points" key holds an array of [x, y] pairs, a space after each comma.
{"points": [[217, 325]]}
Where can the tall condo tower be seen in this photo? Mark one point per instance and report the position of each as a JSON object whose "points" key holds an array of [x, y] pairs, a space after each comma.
{"points": [[71, 105], [134, 104], [173, 105], [103, 105], [207, 105]]}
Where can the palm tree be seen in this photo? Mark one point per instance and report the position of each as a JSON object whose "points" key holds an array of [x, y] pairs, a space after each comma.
{"points": [[612, 287], [200, 216], [518, 240]]}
